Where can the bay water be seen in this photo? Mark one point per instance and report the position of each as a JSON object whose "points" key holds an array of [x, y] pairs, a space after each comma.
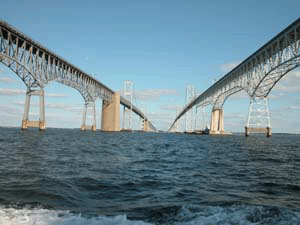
{"points": [[64, 177]]}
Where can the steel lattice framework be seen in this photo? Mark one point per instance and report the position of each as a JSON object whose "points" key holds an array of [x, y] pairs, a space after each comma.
{"points": [[256, 75], [37, 66]]}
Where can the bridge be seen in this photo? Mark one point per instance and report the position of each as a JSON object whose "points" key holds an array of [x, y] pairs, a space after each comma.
{"points": [[37, 66], [257, 76]]}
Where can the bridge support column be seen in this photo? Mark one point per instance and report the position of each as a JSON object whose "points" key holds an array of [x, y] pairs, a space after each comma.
{"points": [[111, 114], [217, 122], [30, 123], [258, 117], [83, 126], [146, 125]]}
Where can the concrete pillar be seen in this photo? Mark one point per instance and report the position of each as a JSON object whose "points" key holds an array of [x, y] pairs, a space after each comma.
{"points": [[111, 114], [26, 111], [247, 131], [217, 122], [41, 124], [269, 131], [146, 125], [94, 118], [83, 126]]}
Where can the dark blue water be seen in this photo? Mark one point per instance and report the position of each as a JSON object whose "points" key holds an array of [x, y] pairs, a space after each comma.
{"points": [[70, 177]]}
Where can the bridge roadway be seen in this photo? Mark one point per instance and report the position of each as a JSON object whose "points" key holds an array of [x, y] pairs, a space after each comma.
{"points": [[37, 66], [256, 75]]}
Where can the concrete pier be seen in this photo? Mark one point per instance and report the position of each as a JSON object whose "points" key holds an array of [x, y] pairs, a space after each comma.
{"points": [[111, 114], [146, 126], [217, 122], [267, 130]]}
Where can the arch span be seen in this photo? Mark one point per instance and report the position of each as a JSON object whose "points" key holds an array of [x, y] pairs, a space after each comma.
{"points": [[257, 74], [37, 66]]}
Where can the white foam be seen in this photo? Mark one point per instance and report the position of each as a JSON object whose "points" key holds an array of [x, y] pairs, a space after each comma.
{"points": [[243, 215], [239, 215], [11, 216]]}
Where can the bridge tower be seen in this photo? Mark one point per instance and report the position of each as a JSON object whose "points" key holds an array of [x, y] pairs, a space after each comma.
{"points": [[258, 117], [190, 94], [128, 95], [41, 124], [83, 126]]}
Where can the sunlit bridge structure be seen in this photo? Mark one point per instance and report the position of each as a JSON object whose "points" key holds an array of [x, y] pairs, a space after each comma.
{"points": [[128, 95], [256, 76], [37, 66]]}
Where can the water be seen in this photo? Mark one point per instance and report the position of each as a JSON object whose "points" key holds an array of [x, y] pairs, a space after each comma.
{"points": [[64, 177]]}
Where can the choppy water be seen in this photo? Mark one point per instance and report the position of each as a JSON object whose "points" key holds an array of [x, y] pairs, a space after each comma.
{"points": [[70, 177]]}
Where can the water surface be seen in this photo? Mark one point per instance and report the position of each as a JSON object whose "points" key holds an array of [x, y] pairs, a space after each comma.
{"points": [[65, 176]]}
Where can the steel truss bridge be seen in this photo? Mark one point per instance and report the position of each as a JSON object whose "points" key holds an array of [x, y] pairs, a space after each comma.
{"points": [[37, 66], [257, 75]]}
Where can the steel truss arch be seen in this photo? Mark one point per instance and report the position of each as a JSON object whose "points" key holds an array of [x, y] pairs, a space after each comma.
{"points": [[21, 71], [45, 66], [274, 76], [259, 73], [37, 66], [219, 102]]}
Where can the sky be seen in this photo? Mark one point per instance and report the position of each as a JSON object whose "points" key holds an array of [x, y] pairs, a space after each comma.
{"points": [[162, 46]]}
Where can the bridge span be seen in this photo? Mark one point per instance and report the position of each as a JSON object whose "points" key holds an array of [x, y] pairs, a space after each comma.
{"points": [[257, 75], [37, 66]]}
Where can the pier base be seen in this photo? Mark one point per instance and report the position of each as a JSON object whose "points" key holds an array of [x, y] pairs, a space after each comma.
{"points": [[111, 114], [144, 125], [258, 117], [83, 126], [267, 130], [26, 123]]}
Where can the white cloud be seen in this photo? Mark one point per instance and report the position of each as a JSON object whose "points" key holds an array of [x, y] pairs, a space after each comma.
{"points": [[239, 95], [170, 107], [16, 92], [12, 92], [289, 88], [153, 94], [161, 116], [66, 107], [227, 67], [10, 110], [275, 95], [7, 80], [290, 83], [294, 107], [55, 95], [235, 116]]}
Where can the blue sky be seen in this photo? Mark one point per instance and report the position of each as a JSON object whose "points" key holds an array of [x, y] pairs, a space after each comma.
{"points": [[162, 46]]}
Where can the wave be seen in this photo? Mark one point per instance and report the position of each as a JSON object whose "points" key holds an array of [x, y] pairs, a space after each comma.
{"points": [[240, 214], [12, 216], [243, 215]]}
